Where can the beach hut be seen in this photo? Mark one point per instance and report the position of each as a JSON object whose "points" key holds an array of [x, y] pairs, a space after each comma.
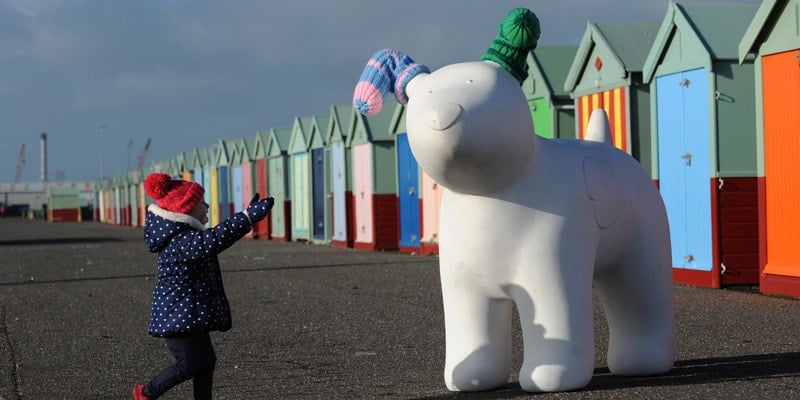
{"points": [[606, 73], [108, 200], [102, 200], [135, 204], [340, 173], [182, 166], [705, 145], [408, 190], [409, 194], [552, 108], [126, 201], [299, 179], [242, 176], [374, 181], [237, 180], [278, 183], [120, 201], [248, 171], [211, 183], [178, 165], [319, 165], [142, 201], [187, 165], [772, 42], [224, 154], [259, 159], [63, 204], [197, 161]]}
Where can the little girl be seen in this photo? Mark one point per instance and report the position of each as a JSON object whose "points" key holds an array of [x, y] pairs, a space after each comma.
{"points": [[189, 300]]}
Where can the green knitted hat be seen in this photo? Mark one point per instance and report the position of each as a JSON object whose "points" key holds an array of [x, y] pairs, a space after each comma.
{"points": [[518, 35]]}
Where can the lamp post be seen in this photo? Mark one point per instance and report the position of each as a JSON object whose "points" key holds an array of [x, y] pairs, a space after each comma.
{"points": [[128, 161], [102, 134]]}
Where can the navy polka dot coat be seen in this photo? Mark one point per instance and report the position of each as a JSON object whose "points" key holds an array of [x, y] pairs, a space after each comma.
{"points": [[189, 296]]}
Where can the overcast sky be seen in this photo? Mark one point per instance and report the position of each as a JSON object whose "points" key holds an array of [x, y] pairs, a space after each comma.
{"points": [[187, 73]]}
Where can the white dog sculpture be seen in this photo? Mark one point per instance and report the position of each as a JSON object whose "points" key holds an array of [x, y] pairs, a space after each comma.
{"points": [[532, 221]]}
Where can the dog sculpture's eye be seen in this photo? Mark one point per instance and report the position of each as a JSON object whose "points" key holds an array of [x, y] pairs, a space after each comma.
{"points": [[470, 81]]}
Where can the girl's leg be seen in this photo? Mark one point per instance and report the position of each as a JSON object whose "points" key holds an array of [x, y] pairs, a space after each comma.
{"points": [[203, 381], [189, 353]]}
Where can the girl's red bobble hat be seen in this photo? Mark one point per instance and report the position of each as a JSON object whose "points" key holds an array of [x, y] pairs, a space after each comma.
{"points": [[173, 194]]}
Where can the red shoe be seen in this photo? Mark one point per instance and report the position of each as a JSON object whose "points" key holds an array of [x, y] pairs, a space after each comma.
{"points": [[138, 393]]}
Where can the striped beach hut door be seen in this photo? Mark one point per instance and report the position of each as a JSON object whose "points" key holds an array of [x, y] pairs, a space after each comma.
{"points": [[615, 103], [339, 179], [684, 165], [318, 192], [781, 85], [408, 192], [299, 185]]}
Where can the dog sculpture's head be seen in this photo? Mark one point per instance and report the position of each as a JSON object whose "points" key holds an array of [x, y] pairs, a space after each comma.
{"points": [[469, 125]]}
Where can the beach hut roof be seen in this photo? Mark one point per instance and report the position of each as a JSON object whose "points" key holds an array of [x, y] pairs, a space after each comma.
{"points": [[339, 122], [717, 26], [549, 65], [373, 128], [398, 122], [279, 139], [299, 141], [318, 131], [766, 16], [225, 152], [627, 44]]}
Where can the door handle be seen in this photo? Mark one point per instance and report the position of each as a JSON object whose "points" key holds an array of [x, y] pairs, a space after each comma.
{"points": [[687, 158]]}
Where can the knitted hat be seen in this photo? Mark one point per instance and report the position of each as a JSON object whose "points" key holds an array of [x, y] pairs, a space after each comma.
{"points": [[387, 71], [518, 35], [173, 194]]}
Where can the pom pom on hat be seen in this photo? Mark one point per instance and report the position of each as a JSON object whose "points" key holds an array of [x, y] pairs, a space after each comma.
{"points": [[518, 35], [173, 194], [387, 71]]}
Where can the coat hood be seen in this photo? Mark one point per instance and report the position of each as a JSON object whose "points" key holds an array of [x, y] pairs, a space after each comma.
{"points": [[162, 225]]}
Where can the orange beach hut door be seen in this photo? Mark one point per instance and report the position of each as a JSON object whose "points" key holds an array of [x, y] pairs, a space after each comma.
{"points": [[781, 78]]}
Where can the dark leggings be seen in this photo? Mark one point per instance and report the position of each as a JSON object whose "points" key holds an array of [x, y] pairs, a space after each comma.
{"points": [[194, 359]]}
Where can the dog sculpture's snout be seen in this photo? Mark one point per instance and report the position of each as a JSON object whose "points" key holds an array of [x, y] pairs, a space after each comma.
{"points": [[442, 116]]}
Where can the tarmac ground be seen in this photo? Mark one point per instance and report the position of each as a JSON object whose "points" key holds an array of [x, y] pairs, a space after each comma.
{"points": [[319, 322]]}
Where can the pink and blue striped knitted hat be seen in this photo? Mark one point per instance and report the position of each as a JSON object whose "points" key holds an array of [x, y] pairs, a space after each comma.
{"points": [[387, 71]]}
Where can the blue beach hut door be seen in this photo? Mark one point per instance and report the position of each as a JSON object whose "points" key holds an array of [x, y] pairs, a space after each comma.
{"points": [[684, 165], [318, 192], [238, 188], [224, 192], [408, 192]]}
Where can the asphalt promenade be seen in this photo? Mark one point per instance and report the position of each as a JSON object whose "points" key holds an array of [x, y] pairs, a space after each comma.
{"points": [[317, 322]]}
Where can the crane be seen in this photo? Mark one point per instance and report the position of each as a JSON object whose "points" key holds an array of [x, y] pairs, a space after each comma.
{"points": [[143, 154], [20, 163]]}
